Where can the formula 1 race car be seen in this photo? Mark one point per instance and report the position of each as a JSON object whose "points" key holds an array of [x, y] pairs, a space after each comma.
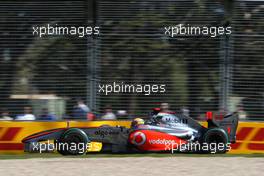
{"points": [[162, 133]]}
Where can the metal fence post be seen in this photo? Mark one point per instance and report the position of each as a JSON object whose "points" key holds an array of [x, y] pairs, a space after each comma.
{"points": [[226, 60], [225, 72], [91, 58]]}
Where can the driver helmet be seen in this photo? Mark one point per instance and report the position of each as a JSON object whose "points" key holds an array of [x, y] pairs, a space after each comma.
{"points": [[137, 121]]}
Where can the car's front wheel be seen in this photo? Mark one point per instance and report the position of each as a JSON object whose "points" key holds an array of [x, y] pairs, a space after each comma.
{"points": [[74, 141]]}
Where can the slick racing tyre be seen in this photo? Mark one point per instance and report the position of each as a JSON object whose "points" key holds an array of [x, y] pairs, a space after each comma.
{"points": [[72, 142], [216, 140]]}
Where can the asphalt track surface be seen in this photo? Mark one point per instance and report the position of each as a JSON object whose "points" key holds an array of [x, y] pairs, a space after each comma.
{"points": [[134, 166]]}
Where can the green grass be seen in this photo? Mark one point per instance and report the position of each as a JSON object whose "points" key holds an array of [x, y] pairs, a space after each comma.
{"points": [[99, 155]]}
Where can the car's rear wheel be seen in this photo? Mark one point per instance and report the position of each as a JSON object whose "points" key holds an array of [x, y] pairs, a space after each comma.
{"points": [[216, 140], [72, 142]]}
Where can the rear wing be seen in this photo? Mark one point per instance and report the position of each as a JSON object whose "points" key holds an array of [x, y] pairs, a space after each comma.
{"points": [[228, 122]]}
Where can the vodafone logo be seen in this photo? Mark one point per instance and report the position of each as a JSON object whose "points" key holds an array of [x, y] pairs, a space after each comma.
{"points": [[161, 141], [138, 138]]}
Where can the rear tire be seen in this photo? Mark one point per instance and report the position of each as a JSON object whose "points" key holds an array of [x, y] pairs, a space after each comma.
{"points": [[72, 142], [216, 139]]}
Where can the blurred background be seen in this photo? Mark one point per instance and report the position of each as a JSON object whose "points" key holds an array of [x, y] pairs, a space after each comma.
{"points": [[56, 75]]}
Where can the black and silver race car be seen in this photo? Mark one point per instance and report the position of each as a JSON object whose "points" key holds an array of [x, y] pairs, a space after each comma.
{"points": [[164, 132]]}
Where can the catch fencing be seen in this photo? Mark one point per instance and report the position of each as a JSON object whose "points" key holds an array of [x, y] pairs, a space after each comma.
{"points": [[199, 72]]}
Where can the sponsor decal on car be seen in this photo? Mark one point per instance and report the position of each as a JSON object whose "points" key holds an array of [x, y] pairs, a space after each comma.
{"points": [[103, 133], [161, 141], [138, 138]]}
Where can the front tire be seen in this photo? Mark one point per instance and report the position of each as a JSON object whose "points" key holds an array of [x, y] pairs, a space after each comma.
{"points": [[72, 142]]}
